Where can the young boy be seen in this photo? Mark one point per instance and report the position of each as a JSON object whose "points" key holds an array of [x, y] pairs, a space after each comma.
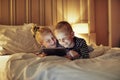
{"points": [[76, 47], [45, 37]]}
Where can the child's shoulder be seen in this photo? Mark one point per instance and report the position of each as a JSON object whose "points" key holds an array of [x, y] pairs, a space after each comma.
{"points": [[77, 38], [79, 41]]}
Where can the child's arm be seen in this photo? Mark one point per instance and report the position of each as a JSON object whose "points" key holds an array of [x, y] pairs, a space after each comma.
{"points": [[72, 55], [84, 50]]}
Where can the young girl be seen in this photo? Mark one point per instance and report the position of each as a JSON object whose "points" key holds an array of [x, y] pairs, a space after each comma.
{"points": [[45, 38], [76, 47]]}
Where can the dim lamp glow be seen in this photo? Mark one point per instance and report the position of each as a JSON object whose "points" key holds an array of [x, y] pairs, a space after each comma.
{"points": [[80, 28]]}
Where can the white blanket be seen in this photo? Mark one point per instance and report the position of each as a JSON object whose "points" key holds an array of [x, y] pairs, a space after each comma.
{"points": [[30, 67]]}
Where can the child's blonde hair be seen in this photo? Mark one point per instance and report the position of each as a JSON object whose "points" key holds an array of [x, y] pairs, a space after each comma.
{"points": [[40, 32], [64, 26]]}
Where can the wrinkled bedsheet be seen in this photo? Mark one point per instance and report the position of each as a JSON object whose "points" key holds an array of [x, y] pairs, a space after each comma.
{"points": [[30, 67]]}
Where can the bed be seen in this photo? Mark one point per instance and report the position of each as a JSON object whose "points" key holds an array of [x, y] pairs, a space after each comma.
{"points": [[17, 62]]}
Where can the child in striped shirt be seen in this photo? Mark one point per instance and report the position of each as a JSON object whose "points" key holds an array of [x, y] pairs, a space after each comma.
{"points": [[76, 47]]}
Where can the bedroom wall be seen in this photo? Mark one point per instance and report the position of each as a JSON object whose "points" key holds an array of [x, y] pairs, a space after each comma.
{"points": [[42, 12], [114, 23], [101, 21], [107, 22]]}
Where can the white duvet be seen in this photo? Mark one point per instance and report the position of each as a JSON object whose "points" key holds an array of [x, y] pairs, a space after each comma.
{"points": [[30, 67]]}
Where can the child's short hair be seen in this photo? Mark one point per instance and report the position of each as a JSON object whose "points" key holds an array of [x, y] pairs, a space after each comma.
{"points": [[63, 26], [40, 32]]}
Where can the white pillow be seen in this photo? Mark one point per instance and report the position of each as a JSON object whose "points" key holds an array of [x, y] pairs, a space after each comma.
{"points": [[15, 39]]}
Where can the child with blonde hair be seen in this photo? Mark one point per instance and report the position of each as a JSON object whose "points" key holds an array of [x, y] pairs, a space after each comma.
{"points": [[45, 37], [76, 47]]}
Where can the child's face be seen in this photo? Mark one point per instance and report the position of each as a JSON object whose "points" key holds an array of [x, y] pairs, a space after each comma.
{"points": [[49, 41], [64, 39]]}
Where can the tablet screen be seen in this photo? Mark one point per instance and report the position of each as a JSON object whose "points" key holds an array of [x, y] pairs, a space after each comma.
{"points": [[55, 51]]}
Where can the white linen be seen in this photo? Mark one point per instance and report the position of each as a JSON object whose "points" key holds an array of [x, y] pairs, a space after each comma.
{"points": [[30, 67], [3, 64]]}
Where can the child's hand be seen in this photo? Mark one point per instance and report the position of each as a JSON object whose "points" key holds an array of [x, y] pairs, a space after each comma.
{"points": [[73, 54], [42, 54], [68, 56]]}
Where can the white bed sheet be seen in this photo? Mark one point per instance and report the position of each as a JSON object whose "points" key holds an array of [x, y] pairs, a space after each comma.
{"points": [[29, 67], [3, 64]]}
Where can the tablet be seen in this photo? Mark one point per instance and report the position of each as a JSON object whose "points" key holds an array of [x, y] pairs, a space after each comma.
{"points": [[55, 51]]}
